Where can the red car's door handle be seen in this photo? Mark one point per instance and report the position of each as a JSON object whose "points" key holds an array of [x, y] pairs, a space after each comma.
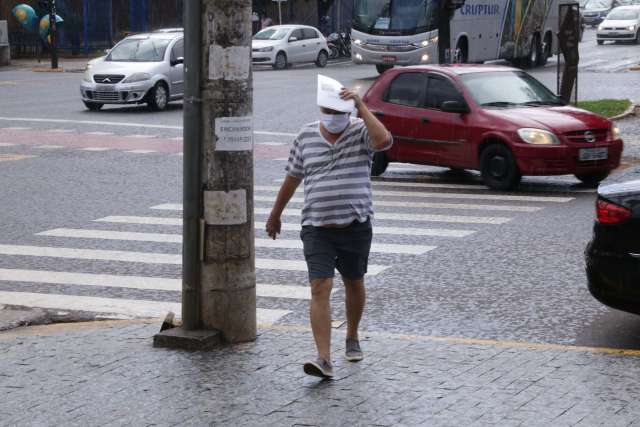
{"points": [[378, 113], [424, 120]]}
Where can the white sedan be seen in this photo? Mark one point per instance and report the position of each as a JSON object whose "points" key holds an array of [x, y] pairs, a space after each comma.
{"points": [[621, 24], [282, 45]]}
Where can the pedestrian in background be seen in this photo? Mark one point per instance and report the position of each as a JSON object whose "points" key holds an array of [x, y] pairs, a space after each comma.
{"points": [[333, 156], [266, 22]]}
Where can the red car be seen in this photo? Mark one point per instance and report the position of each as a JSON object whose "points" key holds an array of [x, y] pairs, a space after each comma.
{"points": [[498, 120]]}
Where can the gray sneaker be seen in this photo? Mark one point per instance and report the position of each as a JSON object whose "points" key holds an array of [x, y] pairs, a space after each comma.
{"points": [[353, 351], [319, 368]]}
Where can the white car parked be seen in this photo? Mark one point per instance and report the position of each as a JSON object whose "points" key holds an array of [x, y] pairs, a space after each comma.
{"points": [[621, 24], [282, 45]]}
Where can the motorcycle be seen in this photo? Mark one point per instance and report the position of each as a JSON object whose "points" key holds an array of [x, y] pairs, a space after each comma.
{"points": [[339, 45]]}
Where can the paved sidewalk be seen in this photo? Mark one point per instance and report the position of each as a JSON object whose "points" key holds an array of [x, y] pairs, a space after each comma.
{"points": [[109, 374]]}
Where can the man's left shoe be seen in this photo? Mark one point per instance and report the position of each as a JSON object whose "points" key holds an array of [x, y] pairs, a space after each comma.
{"points": [[353, 351]]}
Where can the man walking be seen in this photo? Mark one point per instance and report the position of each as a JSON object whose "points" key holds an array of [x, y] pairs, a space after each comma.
{"points": [[333, 156]]}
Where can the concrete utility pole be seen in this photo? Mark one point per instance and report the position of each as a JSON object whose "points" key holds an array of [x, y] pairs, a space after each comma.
{"points": [[219, 295]]}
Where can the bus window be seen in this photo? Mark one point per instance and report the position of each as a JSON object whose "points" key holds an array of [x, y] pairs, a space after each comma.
{"points": [[395, 17]]}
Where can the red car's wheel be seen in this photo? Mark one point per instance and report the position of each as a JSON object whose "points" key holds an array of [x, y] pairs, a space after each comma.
{"points": [[498, 168]]}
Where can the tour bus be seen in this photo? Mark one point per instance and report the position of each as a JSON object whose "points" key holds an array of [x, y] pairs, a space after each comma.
{"points": [[405, 32]]}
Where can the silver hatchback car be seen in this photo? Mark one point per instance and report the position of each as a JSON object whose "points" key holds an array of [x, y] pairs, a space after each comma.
{"points": [[143, 68]]}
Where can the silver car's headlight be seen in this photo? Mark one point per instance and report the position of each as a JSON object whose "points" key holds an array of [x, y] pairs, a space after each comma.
{"points": [[265, 49], [87, 77], [137, 77], [631, 28], [538, 137], [600, 27]]}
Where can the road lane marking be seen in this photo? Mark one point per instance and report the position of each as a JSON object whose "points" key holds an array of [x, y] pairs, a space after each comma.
{"points": [[14, 157], [124, 124], [49, 147], [393, 216], [136, 282], [147, 257], [399, 231], [426, 205], [141, 151], [470, 196], [141, 136], [99, 133], [94, 149], [6, 144], [177, 238], [60, 130], [16, 128], [110, 306]]}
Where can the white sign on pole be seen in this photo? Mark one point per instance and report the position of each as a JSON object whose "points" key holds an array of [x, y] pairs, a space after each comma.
{"points": [[234, 133], [4, 34]]}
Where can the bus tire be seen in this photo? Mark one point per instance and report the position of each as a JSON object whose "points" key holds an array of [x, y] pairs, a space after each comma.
{"points": [[546, 50], [463, 50], [381, 68]]}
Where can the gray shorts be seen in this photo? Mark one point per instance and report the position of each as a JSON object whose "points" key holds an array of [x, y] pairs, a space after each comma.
{"points": [[345, 249]]}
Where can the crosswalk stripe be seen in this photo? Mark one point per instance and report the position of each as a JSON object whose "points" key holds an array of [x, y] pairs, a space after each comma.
{"points": [[387, 183], [99, 133], [412, 217], [95, 149], [136, 282], [142, 220], [49, 147], [141, 151], [400, 231], [7, 144], [420, 194], [288, 265], [375, 247], [386, 203], [91, 254], [177, 238], [147, 257], [115, 306]]}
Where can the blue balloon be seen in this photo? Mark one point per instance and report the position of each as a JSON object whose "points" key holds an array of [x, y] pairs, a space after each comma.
{"points": [[26, 16]]}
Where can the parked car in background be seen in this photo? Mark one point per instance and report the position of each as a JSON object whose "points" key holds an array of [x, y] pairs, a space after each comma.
{"points": [[498, 120], [621, 24], [613, 255], [595, 11], [281, 45], [143, 68]]}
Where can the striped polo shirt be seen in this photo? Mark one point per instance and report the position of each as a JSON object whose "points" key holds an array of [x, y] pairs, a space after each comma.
{"points": [[337, 183]]}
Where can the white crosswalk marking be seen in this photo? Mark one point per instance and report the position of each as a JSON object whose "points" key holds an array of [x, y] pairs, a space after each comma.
{"points": [[99, 133], [470, 196], [386, 203], [49, 147], [141, 151], [135, 282], [412, 217], [146, 257], [143, 220], [124, 307], [6, 144], [177, 238], [95, 149]]}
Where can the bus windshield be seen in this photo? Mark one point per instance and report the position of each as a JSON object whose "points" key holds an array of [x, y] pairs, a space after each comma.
{"points": [[395, 17]]}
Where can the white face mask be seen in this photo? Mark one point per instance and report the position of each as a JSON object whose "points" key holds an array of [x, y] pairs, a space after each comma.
{"points": [[335, 123]]}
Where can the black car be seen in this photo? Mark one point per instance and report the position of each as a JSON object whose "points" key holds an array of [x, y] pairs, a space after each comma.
{"points": [[613, 255]]}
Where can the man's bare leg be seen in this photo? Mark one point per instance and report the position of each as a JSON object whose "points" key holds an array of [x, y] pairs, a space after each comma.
{"points": [[354, 301], [320, 314]]}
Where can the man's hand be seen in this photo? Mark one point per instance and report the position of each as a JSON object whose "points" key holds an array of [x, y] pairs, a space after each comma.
{"points": [[352, 94], [273, 226]]}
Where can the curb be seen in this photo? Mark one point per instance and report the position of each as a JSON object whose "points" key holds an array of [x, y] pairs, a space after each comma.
{"points": [[633, 110]]}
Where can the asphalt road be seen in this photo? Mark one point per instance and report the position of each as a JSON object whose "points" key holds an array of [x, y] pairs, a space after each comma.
{"points": [[454, 259]]}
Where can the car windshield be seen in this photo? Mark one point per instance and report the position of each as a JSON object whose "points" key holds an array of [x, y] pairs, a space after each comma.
{"points": [[623, 14], [583, 3], [395, 17], [599, 4], [508, 89], [139, 50], [271, 34]]}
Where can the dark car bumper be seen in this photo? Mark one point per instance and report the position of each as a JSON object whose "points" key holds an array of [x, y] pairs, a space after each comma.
{"points": [[563, 159], [614, 279], [593, 20]]}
